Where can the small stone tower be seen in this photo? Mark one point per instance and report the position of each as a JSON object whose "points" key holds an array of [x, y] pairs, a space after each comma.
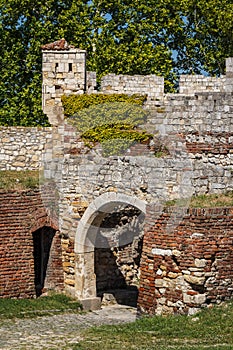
{"points": [[64, 73]]}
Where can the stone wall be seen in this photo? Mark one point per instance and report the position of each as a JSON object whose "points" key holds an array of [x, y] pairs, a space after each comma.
{"points": [[150, 85], [21, 148], [22, 215], [118, 249], [196, 127], [190, 84], [190, 266]]}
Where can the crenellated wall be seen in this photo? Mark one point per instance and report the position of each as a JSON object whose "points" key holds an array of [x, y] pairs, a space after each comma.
{"points": [[150, 85]]}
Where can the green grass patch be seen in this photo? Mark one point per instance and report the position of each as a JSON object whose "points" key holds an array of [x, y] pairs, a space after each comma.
{"points": [[19, 180], [213, 200], [29, 308], [205, 201], [209, 329]]}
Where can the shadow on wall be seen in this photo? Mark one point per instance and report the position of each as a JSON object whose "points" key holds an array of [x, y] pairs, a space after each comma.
{"points": [[118, 254], [42, 241]]}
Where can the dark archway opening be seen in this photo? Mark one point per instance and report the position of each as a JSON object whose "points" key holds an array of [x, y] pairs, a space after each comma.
{"points": [[42, 241], [118, 249]]}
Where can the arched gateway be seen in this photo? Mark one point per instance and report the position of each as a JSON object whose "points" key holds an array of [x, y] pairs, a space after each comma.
{"points": [[87, 239]]}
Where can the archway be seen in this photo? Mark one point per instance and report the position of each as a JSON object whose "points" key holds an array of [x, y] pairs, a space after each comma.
{"points": [[89, 239]]}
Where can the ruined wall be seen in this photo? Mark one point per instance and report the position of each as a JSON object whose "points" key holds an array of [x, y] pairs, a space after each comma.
{"points": [[189, 266], [200, 122], [21, 214], [118, 249]]}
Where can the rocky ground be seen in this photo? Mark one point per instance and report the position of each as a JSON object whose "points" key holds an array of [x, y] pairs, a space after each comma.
{"points": [[58, 331]]}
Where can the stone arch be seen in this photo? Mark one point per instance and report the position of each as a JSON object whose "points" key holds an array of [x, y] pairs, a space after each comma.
{"points": [[85, 279]]}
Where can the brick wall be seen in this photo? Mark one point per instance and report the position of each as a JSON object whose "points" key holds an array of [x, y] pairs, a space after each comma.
{"points": [[189, 266], [22, 214]]}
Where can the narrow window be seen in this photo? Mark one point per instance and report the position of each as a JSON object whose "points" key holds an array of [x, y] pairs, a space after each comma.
{"points": [[56, 67], [70, 67]]}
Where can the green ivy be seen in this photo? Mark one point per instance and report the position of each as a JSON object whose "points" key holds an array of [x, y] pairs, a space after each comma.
{"points": [[115, 138], [74, 103], [115, 147], [113, 120], [116, 131]]}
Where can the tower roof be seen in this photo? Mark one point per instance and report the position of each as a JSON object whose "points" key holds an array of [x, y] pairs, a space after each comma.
{"points": [[58, 45]]}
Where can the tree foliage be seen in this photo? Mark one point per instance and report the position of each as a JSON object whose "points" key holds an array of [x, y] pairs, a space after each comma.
{"points": [[141, 37]]}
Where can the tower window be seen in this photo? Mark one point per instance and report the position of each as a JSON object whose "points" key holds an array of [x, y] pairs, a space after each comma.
{"points": [[56, 66], [70, 67]]}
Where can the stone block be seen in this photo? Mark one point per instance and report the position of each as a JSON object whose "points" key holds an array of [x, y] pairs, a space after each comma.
{"points": [[91, 304]]}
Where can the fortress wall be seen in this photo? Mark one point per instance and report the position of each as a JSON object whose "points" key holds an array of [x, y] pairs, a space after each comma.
{"points": [[204, 123], [150, 85], [188, 267], [21, 148], [190, 84], [201, 113]]}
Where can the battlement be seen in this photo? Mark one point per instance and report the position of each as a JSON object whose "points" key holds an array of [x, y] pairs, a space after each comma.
{"points": [[64, 73]]}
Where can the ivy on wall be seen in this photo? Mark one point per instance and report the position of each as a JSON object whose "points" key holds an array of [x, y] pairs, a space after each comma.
{"points": [[74, 103], [113, 120]]}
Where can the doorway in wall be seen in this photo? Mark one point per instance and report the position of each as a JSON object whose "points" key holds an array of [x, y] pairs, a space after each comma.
{"points": [[117, 254], [42, 241]]}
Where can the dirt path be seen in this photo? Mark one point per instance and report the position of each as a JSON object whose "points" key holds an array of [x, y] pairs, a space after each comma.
{"points": [[58, 331]]}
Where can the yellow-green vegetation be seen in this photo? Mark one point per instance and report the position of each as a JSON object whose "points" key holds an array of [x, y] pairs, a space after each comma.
{"points": [[115, 138], [112, 120], [19, 180], [210, 329], [46, 305], [74, 103], [206, 201], [213, 200]]}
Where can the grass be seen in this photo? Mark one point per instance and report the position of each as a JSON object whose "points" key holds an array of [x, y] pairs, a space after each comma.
{"points": [[209, 329], [19, 180], [206, 201], [29, 308], [213, 200], [28, 179]]}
